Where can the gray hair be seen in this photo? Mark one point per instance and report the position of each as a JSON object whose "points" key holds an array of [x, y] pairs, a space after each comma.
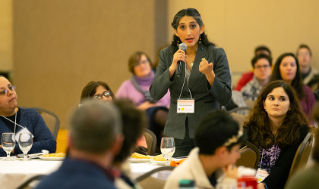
{"points": [[94, 126]]}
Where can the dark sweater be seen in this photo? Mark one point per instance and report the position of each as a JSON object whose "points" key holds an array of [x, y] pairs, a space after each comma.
{"points": [[279, 174], [32, 120]]}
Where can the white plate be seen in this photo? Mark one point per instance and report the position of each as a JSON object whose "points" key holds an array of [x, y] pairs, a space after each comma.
{"points": [[52, 158], [159, 162], [136, 160]]}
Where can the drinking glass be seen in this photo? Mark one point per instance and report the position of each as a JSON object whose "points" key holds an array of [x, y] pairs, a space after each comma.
{"points": [[25, 144], [8, 143], [167, 148]]}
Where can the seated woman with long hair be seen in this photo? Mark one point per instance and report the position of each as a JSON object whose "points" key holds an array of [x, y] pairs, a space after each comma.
{"points": [[100, 90], [287, 69], [277, 126], [137, 90]]}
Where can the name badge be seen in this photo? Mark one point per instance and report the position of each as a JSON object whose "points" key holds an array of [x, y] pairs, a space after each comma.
{"points": [[24, 130], [261, 175], [185, 106]]}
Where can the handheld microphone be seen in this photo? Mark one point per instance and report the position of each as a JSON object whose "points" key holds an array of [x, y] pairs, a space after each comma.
{"points": [[180, 64]]}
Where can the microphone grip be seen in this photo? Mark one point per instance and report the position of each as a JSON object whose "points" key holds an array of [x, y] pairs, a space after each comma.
{"points": [[179, 68]]}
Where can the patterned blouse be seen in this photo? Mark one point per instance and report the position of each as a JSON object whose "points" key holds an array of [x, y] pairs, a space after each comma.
{"points": [[268, 157]]}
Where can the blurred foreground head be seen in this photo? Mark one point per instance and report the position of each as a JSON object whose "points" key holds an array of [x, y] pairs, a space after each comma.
{"points": [[94, 127]]}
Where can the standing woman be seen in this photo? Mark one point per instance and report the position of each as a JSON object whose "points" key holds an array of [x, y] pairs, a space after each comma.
{"points": [[205, 80], [287, 69]]}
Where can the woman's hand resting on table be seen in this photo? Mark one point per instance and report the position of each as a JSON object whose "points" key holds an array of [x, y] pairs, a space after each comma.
{"points": [[146, 105]]}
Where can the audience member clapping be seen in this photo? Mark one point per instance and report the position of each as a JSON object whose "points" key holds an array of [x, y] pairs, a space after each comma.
{"points": [[277, 126], [14, 119], [287, 69]]}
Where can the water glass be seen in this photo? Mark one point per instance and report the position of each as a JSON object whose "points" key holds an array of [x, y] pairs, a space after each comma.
{"points": [[8, 143], [167, 148], [25, 144]]}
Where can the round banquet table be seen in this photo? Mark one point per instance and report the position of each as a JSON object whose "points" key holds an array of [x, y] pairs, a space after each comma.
{"points": [[14, 173]]}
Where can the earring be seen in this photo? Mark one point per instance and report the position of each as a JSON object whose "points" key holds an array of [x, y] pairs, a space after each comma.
{"points": [[177, 42], [200, 43]]}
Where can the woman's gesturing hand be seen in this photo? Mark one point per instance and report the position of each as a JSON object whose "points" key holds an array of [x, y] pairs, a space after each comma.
{"points": [[205, 67], [178, 56]]}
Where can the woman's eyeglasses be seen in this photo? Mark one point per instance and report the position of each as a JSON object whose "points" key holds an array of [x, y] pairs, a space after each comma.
{"points": [[4, 92], [105, 94]]}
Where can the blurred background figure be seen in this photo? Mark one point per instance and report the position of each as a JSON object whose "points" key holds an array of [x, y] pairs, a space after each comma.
{"points": [[133, 123], [309, 74], [99, 90], [248, 76], [261, 64], [95, 138], [287, 68], [137, 90], [277, 126]]}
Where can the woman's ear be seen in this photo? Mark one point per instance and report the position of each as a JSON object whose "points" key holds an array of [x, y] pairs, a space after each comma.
{"points": [[175, 31], [202, 29]]}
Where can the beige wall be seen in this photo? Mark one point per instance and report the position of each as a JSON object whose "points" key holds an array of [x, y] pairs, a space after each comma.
{"points": [[5, 35], [240, 26], [61, 45]]}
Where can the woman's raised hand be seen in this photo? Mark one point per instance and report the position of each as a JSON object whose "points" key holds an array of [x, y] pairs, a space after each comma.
{"points": [[205, 67], [178, 56]]}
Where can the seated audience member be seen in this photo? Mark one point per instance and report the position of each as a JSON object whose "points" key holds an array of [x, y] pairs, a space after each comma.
{"points": [[133, 123], [262, 69], [137, 89], [277, 126], [309, 177], [13, 119], [95, 138], [218, 138], [287, 69], [100, 90], [248, 76], [309, 74]]}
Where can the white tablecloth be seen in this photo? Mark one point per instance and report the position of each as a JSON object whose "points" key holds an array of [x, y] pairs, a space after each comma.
{"points": [[14, 173]]}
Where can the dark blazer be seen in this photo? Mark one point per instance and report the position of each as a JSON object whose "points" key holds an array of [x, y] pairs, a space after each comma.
{"points": [[206, 97], [279, 174]]}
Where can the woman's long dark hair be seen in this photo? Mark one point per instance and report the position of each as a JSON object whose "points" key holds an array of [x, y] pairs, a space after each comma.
{"points": [[296, 82], [195, 14], [260, 124]]}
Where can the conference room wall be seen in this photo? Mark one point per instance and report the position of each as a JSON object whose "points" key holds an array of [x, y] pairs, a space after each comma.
{"points": [[61, 45], [240, 26], [5, 35]]}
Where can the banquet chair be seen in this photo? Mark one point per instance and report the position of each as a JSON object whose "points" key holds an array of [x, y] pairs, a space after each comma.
{"points": [[150, 141], [239, 118], [250, 156], [148, 182], [249, 103], [302, 155], [50, 119], [27, 183]]}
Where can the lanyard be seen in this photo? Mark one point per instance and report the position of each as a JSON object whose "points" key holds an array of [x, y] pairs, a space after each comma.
{"points": [[184, 84]]}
